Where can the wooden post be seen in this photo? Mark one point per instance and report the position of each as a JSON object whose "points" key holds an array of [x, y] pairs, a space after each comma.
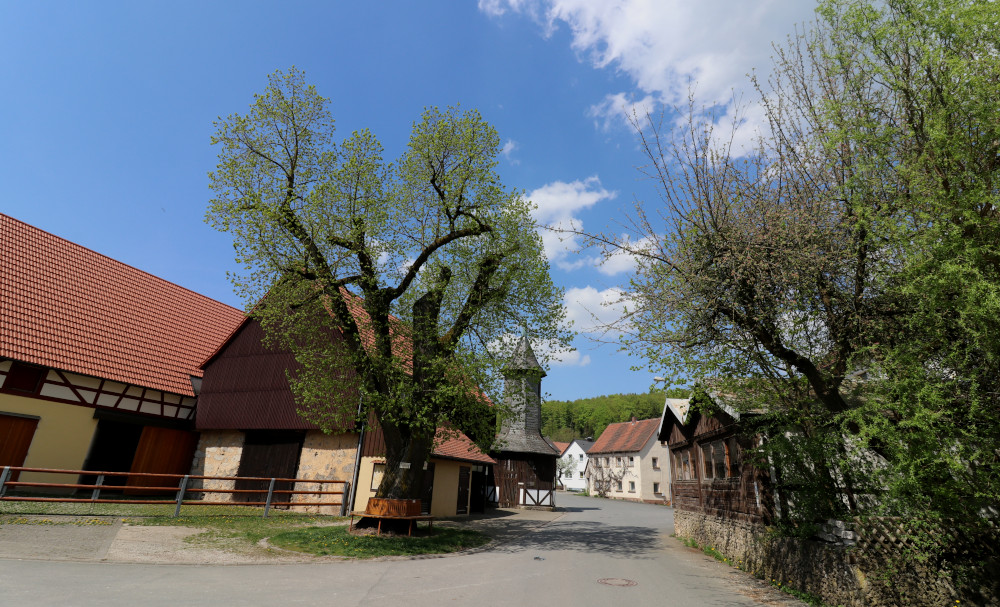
{"points": [[3, 479]]}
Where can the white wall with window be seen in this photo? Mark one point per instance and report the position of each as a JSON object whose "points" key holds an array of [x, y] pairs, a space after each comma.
{"points": [[575, 458]]}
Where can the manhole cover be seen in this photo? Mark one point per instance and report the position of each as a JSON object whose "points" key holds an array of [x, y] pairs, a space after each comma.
{"points": [[616, 581]]}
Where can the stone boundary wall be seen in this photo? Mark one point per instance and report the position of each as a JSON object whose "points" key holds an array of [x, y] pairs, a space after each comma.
{"points": [[839, 575]]}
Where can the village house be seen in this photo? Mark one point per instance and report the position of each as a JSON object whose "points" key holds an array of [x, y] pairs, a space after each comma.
{"points": [[574, 456], [711, 478], [97, 360], [628, 461]]}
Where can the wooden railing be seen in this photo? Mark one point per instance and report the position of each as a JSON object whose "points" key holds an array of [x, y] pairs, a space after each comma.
{"points": [[182, 486]]}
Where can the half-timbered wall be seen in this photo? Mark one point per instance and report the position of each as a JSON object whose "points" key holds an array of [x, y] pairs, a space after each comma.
{"points": [[75, 389]]}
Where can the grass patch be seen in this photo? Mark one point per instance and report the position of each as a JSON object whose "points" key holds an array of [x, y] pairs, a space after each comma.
{"points": [[337, 541], [236, 527]]}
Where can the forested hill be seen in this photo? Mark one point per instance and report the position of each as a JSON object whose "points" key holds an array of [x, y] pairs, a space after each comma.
{"points": [[564, 420]]}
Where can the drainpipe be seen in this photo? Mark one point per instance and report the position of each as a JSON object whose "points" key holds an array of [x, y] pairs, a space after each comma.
{"points": [[357, 457]]}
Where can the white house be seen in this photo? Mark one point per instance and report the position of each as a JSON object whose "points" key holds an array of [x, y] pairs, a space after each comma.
{"points": [[628, 461], [575, 458]]}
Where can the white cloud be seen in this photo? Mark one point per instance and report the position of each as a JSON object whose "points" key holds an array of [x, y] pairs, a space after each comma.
{"points": [[619, 109], [557, 206], [621, 261], [594, 311], [508, 149], [668, 46]]}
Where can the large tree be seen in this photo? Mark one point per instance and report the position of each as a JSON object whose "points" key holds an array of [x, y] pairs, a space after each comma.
{"points": [[843, 273], [396, 283]]}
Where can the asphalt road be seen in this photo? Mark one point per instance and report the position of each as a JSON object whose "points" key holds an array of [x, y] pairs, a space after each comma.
{"points": [[626, 545]]}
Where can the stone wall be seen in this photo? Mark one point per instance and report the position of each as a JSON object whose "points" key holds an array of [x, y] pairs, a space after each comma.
{"points": [[325, 456], [840, 575], [218, 454]]}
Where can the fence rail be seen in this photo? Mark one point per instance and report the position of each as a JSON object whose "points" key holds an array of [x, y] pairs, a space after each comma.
{"points": [[179, 484]]}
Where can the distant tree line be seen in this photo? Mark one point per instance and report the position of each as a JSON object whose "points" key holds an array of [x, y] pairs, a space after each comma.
{"points": [[566, 420]]}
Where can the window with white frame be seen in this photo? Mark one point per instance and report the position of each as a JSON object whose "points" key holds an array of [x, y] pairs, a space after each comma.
{"points": [[656, 487], [619, 485], [656, 463], [378, 470], [631, 486]]}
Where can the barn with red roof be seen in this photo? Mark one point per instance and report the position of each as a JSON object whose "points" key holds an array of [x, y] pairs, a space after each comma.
{"points": [[97, 359]]}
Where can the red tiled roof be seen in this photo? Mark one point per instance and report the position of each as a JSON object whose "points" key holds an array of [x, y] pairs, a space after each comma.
{"points": [[65, 306], [456, 445], [561, 446], [625, 437]]}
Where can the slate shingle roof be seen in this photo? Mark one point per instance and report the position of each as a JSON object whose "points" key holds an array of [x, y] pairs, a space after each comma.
{"points": [[65, 306], [625, 437]]}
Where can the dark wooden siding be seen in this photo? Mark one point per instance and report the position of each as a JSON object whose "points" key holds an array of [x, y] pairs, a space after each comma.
{"points": [[245, 388]]}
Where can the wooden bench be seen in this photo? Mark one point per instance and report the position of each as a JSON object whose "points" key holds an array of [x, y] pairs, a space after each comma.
{"points": [[413, 518]]}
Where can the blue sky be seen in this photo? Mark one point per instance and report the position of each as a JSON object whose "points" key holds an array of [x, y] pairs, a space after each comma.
{"points": [[106, 112]]}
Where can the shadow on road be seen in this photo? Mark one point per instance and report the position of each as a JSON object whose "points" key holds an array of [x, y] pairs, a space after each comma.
{"points": [[619, 541]]}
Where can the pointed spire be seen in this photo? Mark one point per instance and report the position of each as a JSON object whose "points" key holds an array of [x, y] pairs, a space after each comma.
{"points": [[523, 358]]}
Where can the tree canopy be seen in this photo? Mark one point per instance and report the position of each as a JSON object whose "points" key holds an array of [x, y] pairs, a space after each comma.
{"points": [[566, 420], [399, 283], [843, 272]]}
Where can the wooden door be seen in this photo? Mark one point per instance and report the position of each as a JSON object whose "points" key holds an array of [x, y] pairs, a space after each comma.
{"points": [[16, 433], [507, 483], [463, 490], [270, 454], [162, 451], [477, 502]]}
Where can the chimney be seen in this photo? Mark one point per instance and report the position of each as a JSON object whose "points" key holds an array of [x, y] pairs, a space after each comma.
{"points": [[633, 419]]}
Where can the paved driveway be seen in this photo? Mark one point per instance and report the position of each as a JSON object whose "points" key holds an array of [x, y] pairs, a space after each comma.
{"points": [[561, 562]]}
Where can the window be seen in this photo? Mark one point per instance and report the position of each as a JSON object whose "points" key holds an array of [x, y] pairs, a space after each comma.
{"points": [[656, 463], [631, 486], [619, 485], [682, 461], [656, 488], [581, 457], [23, 377], [377, 471], [581, 475], [631, 460], [618, 460], [717, 461]]}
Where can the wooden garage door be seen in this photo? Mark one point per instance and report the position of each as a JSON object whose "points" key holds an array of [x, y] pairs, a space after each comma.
{"points": [[268, 453], [162, 451], [16, 433]]}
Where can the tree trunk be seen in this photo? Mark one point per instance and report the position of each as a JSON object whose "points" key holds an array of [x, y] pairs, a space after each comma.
{"points": [[405, 456]]}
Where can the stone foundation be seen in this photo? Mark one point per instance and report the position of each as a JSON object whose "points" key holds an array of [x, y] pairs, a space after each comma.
{"points": [[325, 456], [218, 454], [839, 575]]}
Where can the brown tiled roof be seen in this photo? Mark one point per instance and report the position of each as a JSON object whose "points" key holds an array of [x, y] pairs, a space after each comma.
{"points": [[561, 446], [625, 437], [65, 306], [456, 445]]}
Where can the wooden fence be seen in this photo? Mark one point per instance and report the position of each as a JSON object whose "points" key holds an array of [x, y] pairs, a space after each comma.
{"points": [[181, 486]]}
